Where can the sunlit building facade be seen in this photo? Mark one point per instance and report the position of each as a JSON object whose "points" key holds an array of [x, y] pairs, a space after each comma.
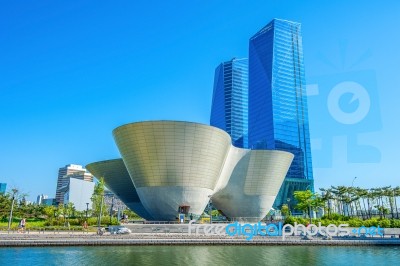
{"points": [[65, 173], [278, 112], [169, 168], [229, 109]]}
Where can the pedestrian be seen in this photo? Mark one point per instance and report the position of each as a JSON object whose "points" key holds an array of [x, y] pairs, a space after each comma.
{"points": [[21, 226], [85, 226]]}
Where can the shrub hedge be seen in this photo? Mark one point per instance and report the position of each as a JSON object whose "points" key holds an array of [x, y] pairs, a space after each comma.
{"points": [[352, 222]]}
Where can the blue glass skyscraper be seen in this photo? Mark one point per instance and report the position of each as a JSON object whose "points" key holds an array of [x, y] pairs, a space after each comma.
{"points": [[278, 113], [229, 109]]}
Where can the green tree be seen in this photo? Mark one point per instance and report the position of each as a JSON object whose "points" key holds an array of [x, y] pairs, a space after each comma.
{"points": [[396, 193], [379, 194], [5, 205], [285, 210], [327, 198], [308, 201], [69, 210], [49, 212], [60, 212], [362, 194], [132, 215], [98, 204]]}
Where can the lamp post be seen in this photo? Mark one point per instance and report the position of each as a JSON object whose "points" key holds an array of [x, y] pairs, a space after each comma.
{"points": [[87, 209], [288, 203], [14, 191], [101, 210], [111, 208], [352, 183], [210, 209]]}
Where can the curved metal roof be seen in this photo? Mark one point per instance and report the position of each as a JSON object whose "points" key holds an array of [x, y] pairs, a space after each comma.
{"points": [[117, 179]]}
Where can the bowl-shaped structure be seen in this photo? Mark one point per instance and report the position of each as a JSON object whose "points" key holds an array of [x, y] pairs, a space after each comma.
{"points": [[173, 164], [254, 182], [117, 179]]}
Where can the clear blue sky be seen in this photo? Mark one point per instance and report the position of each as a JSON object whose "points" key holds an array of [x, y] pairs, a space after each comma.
{"points": [[71, 71]]}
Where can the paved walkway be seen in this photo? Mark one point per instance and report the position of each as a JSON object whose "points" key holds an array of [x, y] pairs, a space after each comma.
{"points": [[92, 239]]}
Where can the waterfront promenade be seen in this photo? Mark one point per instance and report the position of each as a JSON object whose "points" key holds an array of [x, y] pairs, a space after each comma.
{"points": [[166, 237]]}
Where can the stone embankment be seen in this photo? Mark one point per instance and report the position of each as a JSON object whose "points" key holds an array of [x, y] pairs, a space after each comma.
{"points": [[92, 239]]}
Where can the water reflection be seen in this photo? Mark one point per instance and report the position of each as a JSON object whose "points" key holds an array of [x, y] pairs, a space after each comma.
{"points": [[200, 255]]}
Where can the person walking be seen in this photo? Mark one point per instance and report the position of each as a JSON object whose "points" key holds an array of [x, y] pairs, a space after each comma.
{"points": [[21, 226]]}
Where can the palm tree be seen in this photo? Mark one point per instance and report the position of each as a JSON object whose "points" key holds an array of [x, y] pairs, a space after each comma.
{"points": [[362, 194], [327, 196], [396, 193], [338, 193], [370, 201], [343, 193], [379, 194], [353, 198], [376, 197], [388, 192]]}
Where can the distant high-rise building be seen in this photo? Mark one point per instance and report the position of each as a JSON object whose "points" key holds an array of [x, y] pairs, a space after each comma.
{"points": [[229, 110], [278, 112], [49, 202], [67, 172], [40, 198], [3, 187], [78, 192]]}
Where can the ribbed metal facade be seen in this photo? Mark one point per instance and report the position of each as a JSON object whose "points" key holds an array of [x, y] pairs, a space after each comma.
{"points": [[253, 183], [118, 181], [167, 165]]}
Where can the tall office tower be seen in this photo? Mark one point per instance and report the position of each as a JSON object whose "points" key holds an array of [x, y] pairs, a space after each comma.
{"points": [[40, 198], [229, 110], [64, 173], [278, 112]]}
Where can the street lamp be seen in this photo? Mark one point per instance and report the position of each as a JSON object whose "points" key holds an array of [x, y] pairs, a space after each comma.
{"points": [[101, 210], [352, 183], [14, 193], [87, 209], [288, 203], [111, 209], [210, 209]]}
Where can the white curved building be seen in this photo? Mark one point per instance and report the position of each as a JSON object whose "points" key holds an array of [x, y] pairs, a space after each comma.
{"points": [[173, 164], [253, 184], [178, 166], [118, 181]]}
